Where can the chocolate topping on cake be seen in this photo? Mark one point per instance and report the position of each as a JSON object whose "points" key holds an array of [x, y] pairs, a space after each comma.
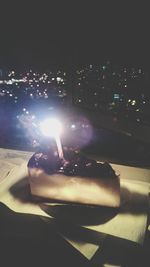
{"points": [[74, 164]]}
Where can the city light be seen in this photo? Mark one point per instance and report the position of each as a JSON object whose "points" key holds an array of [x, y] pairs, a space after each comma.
{"points": [[103, 88]]}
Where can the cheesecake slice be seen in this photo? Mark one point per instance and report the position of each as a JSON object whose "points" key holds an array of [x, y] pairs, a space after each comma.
{"points": [[75, 179]]}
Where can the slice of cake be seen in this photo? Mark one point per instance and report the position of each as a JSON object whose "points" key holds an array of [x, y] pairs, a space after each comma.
{"points": [[75, 179]]}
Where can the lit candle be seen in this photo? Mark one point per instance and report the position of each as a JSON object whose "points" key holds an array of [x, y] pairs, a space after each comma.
{"points": [[59, 146], [52, 128]]}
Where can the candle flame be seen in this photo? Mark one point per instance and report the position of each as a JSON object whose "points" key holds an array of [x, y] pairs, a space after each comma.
{"points": [[52, 128]]}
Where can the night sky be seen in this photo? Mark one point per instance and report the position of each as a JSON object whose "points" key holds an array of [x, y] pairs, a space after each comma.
{"points": [[70, 33]]}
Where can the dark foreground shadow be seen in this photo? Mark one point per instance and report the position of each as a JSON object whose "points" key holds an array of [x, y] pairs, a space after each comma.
{"points": [[79, 214], [133, 202], [26, 240], [29, 240], [21, 191], [121, 252]]}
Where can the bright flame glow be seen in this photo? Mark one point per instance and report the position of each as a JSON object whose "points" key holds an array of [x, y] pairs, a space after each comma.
{"points": [[51, 127]]}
